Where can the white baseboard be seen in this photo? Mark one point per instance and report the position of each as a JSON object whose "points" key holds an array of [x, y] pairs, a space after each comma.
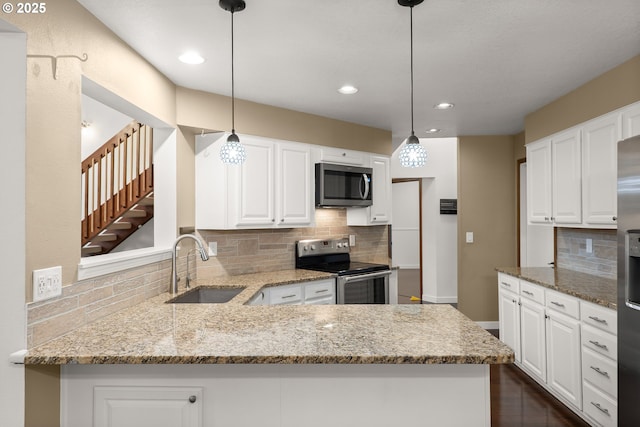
{"points": [[439, 300], [489, 325]]}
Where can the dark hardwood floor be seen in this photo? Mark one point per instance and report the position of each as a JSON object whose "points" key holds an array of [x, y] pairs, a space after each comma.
{"points": [[518, 401]]}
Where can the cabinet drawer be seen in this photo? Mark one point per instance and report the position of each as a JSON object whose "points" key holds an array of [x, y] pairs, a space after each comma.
{"points": [[562, 303], [532, 292], [600, 317], [600, 371], [290, 294], [600, 342], [599, 407], [509, 282], [323, 289]]}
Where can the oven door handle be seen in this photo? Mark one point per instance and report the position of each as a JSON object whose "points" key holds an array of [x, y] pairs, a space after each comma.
{"points": [[358, 277]]}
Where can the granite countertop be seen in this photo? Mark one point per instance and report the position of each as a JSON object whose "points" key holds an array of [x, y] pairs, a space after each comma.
{"points": [[155, 332], [595, 289]]}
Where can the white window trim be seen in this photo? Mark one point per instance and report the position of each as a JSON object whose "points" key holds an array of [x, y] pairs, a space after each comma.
{"points": [[112, 263]]}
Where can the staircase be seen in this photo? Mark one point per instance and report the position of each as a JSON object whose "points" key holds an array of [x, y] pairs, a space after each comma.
{"points": [[117, 182]]}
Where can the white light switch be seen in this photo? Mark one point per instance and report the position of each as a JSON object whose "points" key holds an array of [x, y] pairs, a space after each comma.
{"points": [[352, 239], [589, 246], [469, 236], [213, 248]]}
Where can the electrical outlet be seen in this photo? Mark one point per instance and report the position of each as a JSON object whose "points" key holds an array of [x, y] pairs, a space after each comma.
{"points": [[589, 248], [352, 239], [213, 248], [47, 283]]}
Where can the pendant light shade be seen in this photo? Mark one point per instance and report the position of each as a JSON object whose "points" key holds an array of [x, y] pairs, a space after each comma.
{"points": [[232, 152], [412, 154]]}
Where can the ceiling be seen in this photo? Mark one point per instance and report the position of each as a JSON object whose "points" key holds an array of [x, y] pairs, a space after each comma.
{"points": [[496, 60]]}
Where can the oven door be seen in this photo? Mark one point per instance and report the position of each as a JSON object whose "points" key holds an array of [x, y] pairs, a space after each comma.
{"points": [[370, 288]]}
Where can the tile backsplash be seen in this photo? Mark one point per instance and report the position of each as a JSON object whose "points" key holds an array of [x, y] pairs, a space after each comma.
{"points": [[239, 252], [572, 251], [253, 251]]}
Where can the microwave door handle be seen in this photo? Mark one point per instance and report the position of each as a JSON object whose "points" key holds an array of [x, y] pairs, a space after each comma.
{"points": [[364, 195]]}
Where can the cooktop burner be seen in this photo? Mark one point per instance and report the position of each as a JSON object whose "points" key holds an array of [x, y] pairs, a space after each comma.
{"points": [[331, 256]]}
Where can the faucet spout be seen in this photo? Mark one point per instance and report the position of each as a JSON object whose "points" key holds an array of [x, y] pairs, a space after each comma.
{"points": [[174, 271]]}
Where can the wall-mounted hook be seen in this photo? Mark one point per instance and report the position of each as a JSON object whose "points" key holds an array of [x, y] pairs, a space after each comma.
{"points": [[54, 61]]}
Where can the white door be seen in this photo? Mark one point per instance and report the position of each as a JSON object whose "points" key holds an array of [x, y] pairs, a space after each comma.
{"points": [[256, 176], [567, 178], [539, 182], [12, 225], [147, 406], [294, 184], [532, 338], [405, 235], [600, 170], [509, 321], [536, 240], [563, 357]]}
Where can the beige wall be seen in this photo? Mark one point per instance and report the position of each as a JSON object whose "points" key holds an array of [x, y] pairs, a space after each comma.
{"points": [[213, 112], [43, 399], [486, 200], [612, 90], [186, 178], [54, 115]]}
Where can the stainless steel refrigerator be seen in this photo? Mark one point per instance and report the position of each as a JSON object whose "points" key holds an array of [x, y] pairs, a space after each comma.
{"points": [[629, 282]]}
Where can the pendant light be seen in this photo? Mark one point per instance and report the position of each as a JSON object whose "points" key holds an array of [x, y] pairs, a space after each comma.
{"points": [[232, 152], [412, 154]]}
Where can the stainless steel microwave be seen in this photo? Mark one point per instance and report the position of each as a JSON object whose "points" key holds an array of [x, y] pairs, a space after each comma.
{"points": [[343, 185]]}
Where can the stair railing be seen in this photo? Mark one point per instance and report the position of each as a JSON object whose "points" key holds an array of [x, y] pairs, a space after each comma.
{"points": [[116, 177]]}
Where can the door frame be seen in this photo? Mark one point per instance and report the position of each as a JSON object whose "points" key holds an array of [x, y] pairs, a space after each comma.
{"points": [[419, 181]]}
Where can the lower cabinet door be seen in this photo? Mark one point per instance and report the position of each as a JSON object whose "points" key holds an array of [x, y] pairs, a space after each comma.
{"points": [[563, 357], [509, 312], [533, 354], [116, 406]]}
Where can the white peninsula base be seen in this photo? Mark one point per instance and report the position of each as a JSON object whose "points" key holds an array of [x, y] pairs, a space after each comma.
{"points": [[275, 395]]}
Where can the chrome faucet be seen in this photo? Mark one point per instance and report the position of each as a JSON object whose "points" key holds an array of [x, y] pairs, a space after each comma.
{"points": [[174, 271]]}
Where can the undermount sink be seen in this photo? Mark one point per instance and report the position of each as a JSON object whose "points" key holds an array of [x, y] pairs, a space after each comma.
{"points": [[205, 295]]}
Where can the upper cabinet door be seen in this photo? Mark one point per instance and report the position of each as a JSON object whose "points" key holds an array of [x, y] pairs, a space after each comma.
{"points": [[539, 182], [380, 211], [567, 177], [631, 121], [255, 201], [295, 186], [600, 170]]}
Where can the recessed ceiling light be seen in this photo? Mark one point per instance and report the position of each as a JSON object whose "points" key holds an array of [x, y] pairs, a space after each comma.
{"points": [[432, 130], [348, 90], [191, 57], [443, 106]]}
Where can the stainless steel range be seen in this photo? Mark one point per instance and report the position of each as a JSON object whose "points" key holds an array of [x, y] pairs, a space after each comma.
{"points": [[357, 282]]}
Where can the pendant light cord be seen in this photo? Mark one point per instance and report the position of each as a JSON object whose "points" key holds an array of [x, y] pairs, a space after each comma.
{"points": [[233, 102], [411, 36]]}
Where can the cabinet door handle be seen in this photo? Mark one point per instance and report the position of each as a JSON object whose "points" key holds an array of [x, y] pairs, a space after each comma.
{"points": [[603, 373], [615, 218], [289, 296], [322, 291], [192, 399], [528, 293], [282, 220], [557, 304], [546, 218], [601, 409], [597, 344], [597, 319], [506, 284]]}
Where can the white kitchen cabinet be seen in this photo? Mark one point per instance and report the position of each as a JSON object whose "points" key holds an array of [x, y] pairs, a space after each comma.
{"points": [[631, 121], [320, 292], [126, 406], [533, 338], [564, 369], [286, 294], [539, 189], [566, 206], [342, 156], [316, 292], [272, 188], [380, 210], [509, 320], [600, 167]]}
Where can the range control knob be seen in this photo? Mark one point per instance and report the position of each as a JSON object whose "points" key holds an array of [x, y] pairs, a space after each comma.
{"points": [[313, 247], [339, 245], [305, 248]]}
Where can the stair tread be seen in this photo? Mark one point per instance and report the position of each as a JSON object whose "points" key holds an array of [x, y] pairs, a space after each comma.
{"points": [[135, 213], [120, 225], [104, 237]]}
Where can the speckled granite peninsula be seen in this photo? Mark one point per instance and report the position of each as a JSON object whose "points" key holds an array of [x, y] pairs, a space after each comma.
{"points": [[285, 365], [598, 290], [159, 333]]}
